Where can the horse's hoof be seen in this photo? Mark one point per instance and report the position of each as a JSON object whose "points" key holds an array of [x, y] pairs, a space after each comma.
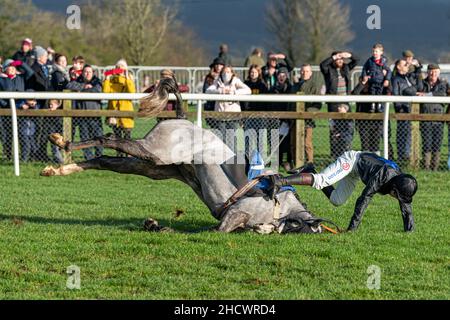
{"points": [[57, 140], [49, 172]]}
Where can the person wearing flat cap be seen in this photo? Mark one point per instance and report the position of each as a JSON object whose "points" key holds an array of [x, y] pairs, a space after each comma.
{"points": [[432, 132]]}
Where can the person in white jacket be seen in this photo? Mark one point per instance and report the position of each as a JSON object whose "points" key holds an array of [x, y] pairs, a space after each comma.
{"points": [[228, 83]]}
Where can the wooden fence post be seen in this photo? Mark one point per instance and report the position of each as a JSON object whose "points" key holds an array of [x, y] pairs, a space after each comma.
{"points": [[300, 137], [415, 138], [67, 129]]}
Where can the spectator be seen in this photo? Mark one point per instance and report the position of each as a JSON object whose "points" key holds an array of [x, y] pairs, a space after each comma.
{"points": [[164, 74], [336, 74], [370, 131], [40, 82], [90, 128], [60, 75], [402, 85], [55, 125], [215, 69], [120, 81], [51, 55], [341, 132], [414, 66], [26, 53], [283, 86], [432, 132], [308, 86], [253, 127], [228, 83], [274, 63], [379, 73], [12, 81], [1, 65], [28, 131], [255, 59], [223, 54], [76, 70]]}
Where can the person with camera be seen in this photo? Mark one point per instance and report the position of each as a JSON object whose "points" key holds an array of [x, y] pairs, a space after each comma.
{"points": [[119, 80]]}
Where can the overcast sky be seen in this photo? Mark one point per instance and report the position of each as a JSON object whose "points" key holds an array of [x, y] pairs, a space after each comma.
{"points": [[420, 25]]}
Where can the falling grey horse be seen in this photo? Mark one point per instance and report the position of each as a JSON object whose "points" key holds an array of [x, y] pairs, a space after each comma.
{"points": [[177, 149]]}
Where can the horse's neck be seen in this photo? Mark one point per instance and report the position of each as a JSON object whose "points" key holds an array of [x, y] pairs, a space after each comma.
{"points": [[216, 187]]}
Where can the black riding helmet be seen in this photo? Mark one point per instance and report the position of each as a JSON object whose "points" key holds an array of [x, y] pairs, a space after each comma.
{"points": [[405, 187]]}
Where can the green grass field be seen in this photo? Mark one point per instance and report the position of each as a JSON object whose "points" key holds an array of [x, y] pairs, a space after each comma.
{"points": [[94, 220]]}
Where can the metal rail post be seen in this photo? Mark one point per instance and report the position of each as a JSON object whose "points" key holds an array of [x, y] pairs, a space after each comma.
{"points": [[15, 133]]}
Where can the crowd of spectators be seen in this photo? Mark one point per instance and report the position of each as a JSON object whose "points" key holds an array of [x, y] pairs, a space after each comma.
{"points": [[33, 68], [377, 78]]}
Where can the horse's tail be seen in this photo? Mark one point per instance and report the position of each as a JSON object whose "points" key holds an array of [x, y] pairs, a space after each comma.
{"points": [[154, 104]]}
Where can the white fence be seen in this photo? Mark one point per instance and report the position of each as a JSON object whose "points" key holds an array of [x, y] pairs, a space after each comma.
{"points": [[200, 98], [144, 76]]}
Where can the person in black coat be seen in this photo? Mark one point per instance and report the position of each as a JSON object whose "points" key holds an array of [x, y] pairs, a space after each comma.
{"points": [[13, 81], [26, 53], [336, 73], [432, 132], [255, 128], [41, 82], [90, 128], [334, 68], [403, 85], [60, 76], [283, 86]]}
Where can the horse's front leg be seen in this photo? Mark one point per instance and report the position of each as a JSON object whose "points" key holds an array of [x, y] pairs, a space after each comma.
{"points": [[133, 148], [119, 165]]}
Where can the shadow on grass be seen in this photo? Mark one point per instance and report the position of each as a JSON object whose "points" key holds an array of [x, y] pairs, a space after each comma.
{"points": [[131, 224]]}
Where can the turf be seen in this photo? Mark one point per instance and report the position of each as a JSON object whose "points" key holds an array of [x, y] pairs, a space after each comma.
{"points": [[94, 220]]}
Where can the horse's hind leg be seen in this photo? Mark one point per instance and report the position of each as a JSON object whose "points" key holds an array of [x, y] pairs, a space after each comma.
{"points": [[233, 220], [131, 147]]}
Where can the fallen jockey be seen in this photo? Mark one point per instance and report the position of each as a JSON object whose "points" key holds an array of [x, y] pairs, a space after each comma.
{"points": [[378, 174]]}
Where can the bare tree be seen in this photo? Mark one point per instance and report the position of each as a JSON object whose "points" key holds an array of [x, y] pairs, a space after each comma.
{"points": [[145, 27], [308, 30]]}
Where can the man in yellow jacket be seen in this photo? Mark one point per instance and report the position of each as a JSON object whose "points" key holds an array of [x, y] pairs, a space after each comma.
{"points": [[120, 81]]}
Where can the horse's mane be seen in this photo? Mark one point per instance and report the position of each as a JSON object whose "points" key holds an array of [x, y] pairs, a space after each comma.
{"points": [[154, 104]]}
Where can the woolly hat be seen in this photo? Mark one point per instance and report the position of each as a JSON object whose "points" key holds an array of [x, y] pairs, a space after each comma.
{"points": [[27, 41], [40, 52], [7, 63]]}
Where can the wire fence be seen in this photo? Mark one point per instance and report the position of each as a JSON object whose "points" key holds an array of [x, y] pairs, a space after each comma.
{"points": [[418, 144], [284, 139]]}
